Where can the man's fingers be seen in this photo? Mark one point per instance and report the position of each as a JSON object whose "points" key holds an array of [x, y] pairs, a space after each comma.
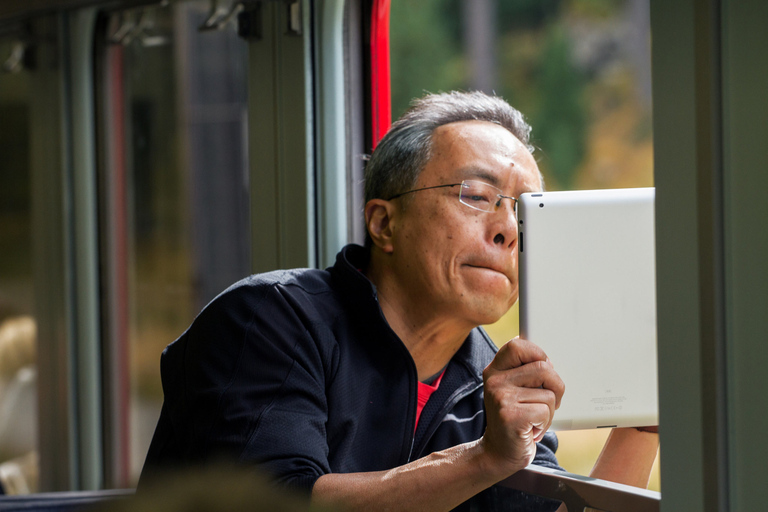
{"points": [[537, 374], [526, 421], [526, 405], [517, 352]]}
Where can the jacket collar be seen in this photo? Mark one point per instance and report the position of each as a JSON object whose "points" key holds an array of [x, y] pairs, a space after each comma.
{"points": [[351, 261]]}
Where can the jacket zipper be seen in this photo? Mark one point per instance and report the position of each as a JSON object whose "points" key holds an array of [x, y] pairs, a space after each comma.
{"points": [[452, 401]]}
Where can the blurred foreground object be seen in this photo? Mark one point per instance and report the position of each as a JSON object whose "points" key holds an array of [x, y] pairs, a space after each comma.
{"points": [[213, 489]]}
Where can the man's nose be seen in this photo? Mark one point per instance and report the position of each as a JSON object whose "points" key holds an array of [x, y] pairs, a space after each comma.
{"points": [[506, 227]]}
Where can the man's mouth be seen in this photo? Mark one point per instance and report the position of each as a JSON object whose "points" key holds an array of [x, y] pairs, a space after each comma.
{"points": [[488, 267]]}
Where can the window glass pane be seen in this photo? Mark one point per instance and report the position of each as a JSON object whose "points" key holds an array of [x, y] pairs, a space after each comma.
{"points": [[177, 181], [580, 73], [18, 401]]}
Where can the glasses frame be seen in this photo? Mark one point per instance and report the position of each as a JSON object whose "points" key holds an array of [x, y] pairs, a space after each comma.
{"points": [[496, 205]]}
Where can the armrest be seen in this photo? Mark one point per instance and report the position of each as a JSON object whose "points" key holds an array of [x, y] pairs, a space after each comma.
{"points": [[69, 501]]}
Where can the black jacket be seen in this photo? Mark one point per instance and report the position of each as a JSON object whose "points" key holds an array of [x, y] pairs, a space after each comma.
{"points": [[299, 372]]}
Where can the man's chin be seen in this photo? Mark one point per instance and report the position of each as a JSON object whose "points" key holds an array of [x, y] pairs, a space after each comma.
{"points": [[491, 313], [486, 304]]}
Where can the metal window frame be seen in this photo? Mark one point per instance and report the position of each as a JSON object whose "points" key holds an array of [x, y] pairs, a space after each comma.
{"points": [[65, 254], [334, 182], [306, 138], [709, 143], [50, 227], [281, 144]]}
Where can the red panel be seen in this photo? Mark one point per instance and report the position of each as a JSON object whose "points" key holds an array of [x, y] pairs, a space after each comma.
{"points": [[118, 199], [381, 100]]}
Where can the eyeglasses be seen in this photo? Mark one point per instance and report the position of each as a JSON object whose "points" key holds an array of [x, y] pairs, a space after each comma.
{"points": [[475, 194]]}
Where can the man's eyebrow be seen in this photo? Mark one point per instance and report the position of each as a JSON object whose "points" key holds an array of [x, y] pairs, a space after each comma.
{"points": [[531, 190], [479, 173]]}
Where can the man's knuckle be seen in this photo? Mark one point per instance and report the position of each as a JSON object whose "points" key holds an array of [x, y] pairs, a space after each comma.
{"points": [[510, 415]]}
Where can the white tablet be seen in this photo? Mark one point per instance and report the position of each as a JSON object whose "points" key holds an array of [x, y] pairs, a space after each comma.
{"points": [[588, 298]]}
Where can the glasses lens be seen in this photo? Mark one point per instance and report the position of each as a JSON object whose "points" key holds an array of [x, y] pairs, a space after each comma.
{"points": [[479, 195]]}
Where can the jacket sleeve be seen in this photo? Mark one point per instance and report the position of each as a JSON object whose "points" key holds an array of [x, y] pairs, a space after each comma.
{"points": [[246, 382], [545, 452]]}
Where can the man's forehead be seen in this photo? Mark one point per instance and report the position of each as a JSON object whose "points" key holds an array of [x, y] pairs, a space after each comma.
{"points": [[471, 125], [477, 135], [485, 151]]}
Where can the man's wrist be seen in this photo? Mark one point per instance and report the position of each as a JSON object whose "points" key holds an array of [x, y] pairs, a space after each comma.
{"points": [[493, 463]]}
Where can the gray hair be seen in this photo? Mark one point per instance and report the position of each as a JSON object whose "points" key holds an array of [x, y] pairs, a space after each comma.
{"points": [[399, 158]]}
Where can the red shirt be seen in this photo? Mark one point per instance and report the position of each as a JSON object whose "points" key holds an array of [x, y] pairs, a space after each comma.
{"points": [[425, 391]]}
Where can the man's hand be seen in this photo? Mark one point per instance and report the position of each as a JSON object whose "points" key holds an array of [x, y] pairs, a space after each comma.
{"points": [[522, 392]]}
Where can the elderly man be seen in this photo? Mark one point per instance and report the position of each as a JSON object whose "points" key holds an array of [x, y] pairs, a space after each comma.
{"points": [[370, 384]]}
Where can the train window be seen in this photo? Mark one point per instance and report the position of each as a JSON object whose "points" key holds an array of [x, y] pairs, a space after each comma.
{"points": [[175, 225], [580, 73], [18, 402]]}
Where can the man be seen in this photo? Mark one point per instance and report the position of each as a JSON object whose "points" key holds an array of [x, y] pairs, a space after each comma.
{"points": [[370, 384]]}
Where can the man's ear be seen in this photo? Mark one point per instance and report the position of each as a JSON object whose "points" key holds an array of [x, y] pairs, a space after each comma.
{"points": [[378, 221]]}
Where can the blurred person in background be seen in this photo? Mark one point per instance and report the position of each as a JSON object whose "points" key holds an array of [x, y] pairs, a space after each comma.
{"points": [[18, 402]]}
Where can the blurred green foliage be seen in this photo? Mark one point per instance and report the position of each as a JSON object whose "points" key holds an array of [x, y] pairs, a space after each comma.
{"points": [[526, 14], [426, 55], [537, 70], [560, 112]]}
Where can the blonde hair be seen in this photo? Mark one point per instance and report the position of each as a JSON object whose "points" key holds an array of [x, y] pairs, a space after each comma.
{"points": [[17, 345]]}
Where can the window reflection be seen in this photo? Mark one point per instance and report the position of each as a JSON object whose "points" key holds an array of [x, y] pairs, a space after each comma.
{"points": [[18, 330], [177, 226]]}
